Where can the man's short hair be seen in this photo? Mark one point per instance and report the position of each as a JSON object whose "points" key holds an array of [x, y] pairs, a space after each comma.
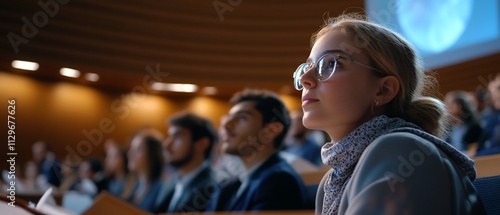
{"points": [[198, 126], [269, 106]]}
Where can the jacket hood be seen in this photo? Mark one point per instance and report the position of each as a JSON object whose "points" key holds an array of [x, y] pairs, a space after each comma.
{"points": [[460, 159]]}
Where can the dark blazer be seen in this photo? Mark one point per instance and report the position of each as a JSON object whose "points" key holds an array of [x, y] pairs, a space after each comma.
{"points": [[148, 202], [273, 186], [195, 195], [51, 169]]}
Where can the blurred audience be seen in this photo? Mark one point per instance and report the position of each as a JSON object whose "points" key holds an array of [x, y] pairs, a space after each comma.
{"points": [[47, 163], [69, 172], [189, 145], [116, 170], [145, 159], [489, 142], [465, 122], [90, 177], [32, 181]]}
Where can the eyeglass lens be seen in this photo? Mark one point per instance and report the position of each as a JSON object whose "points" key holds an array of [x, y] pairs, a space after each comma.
{"points": [[323, 69]]}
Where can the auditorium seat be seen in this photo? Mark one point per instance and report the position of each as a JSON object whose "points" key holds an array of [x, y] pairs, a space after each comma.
{"points": [[488, 189]]}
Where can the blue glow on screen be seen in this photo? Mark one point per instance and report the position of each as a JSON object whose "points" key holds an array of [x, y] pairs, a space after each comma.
{"points": [[443, 31]]}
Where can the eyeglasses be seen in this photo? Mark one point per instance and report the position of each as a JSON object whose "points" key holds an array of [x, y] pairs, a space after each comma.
{"points": [[324, 68]]}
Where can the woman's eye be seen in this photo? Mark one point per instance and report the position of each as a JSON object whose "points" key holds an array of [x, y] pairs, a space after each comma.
{"points": [[332, 64], [242, 118]]}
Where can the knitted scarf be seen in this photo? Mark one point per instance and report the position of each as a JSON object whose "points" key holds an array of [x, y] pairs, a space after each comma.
{"points": [[344, 155]]}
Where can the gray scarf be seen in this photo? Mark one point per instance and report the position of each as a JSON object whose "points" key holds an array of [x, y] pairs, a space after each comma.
{"points": [[344, 155]]}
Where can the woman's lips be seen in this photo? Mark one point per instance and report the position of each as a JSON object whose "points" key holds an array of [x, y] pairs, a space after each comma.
{"points": [[308, 101]]}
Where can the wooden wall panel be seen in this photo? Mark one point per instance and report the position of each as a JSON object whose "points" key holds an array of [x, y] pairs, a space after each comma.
{"points": [[469, 75]]}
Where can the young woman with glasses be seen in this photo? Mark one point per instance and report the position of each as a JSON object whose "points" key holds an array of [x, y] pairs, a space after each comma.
{"points": [[362, 84]]}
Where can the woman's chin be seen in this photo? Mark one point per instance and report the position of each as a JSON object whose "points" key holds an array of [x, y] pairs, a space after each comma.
{"points": [[312, 122]]}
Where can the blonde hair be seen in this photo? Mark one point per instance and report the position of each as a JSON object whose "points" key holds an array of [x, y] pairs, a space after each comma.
{"points": [[392, 54]]}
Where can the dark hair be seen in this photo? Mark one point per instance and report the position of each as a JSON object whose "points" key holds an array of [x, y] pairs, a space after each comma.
{"points": [[46, 146], [270, 107], [152, 141], [123, 155], [95, 165], [468, 110], [198, 126]]}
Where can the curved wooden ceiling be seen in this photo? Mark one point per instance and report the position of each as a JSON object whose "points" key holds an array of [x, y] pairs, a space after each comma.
{"points": [[252, 44]]}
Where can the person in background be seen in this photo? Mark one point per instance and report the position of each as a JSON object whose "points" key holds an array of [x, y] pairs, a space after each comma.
{"points": [[90, 177], [32, 182], [298, 144], [48, 165], [254, 130], [145, 160], [362, 84], [489, 142], [466, 128], [189, 145], [69, 171], [226, 165], [116, 169]]}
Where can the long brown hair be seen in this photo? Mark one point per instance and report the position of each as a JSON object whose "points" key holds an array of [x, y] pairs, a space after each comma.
{"points": [[392, 54]]}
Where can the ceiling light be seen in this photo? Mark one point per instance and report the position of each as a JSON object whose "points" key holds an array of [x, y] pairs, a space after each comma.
{"points": [[187, 88], [72, 73], [25, 65], [92, 77], [210, 90]]}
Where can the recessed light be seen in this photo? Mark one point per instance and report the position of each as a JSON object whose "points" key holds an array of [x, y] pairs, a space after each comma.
{"points": [[92, 77], [25, 65], [68, 72], [187, 88], [210, 90]]}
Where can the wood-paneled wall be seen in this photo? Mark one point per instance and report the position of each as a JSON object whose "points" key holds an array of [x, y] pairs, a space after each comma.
{"points": [[68, 114], [470, 75], [77, 119]]}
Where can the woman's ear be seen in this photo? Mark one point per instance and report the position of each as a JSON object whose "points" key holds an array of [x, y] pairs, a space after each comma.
{"points": [[389, 88]]}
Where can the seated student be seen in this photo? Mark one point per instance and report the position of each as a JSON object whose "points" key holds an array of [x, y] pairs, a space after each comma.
{"points": [[466, 127], [254, 129], [189, 145], [226, 165], [90, 177], [48, 165], [362, 83], [115, 168], [69, 172], [489, 142], [32, 182], [145, 160]]}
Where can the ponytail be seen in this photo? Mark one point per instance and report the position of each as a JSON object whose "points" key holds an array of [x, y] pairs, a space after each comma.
{"points": [[428, 113]]}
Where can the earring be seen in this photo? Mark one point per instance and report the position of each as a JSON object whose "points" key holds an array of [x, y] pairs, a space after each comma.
{"points": [[376, 105]]}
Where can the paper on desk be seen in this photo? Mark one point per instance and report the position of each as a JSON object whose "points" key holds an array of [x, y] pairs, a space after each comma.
{"points": [[7, 209], [43, 207]]}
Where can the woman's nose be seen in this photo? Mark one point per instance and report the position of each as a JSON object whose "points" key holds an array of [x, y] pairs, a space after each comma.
{"points": [[308, 80]]}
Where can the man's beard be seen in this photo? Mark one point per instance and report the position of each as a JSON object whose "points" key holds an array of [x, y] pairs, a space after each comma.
{"points": [[183, 160]]}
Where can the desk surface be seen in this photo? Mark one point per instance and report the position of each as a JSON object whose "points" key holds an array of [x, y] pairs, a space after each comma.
{"points": [[487, 165], [304, 212]]}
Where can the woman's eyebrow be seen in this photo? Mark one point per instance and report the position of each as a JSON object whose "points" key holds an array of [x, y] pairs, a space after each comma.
{"points": [[330, 51], [333, 51]]}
